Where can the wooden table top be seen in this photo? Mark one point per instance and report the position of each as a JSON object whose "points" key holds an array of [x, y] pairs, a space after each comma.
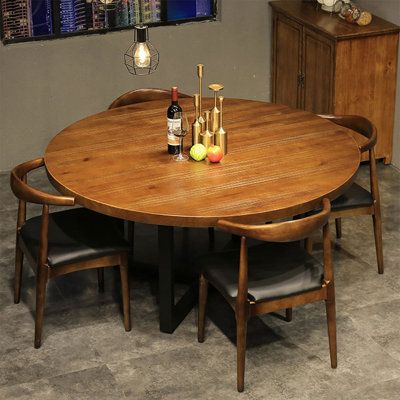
{"points": [[280, 162]]}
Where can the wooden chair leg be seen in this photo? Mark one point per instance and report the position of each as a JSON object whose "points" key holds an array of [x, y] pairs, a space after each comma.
{"points": [[203, 291], [19, 261], [331, 319], [123, 268], [289, 314], [308, 244], [241, 333], [378, 241], [338, 224], [100, 279], [41, 282]]}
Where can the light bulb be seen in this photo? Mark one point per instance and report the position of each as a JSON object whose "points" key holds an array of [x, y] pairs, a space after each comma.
{"points": [[142, 56]]}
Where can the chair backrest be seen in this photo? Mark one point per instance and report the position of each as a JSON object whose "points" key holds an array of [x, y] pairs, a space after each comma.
{"points": [[367, 129], [359, 124], [142, 95], [26, 193], [281, 231]]}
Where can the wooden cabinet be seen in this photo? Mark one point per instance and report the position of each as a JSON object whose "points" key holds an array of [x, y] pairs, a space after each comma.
{"points": [[323, 64], [287, 62]]}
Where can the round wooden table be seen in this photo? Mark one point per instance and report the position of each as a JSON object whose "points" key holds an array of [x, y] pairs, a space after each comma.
{"points": [[280, 162]]}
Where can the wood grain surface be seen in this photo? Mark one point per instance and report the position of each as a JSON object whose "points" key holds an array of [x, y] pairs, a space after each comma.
{"points": [[281, 162], [373, 93]]}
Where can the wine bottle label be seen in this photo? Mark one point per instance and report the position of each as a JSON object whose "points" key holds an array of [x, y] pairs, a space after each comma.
{"points": [[172, 139], [173, 124]]}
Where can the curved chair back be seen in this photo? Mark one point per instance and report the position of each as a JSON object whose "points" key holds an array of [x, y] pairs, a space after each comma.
{"points": [[29, 194], [367, 129], [142, 95], [359, 124], [287, 231], [26, 193]]}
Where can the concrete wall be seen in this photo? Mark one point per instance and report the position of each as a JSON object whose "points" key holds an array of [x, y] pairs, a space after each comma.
{"points": [[389, 10], [45, 86]]}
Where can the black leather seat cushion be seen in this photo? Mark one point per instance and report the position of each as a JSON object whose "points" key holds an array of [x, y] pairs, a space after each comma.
{"points": [[355, 196], [75, 235], [275, 270]]}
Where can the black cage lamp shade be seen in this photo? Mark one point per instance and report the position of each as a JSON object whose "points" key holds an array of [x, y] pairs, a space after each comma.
{"points": [[142, 57]]}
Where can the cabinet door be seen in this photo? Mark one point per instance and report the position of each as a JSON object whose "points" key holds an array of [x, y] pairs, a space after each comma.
{"points": [[286, 62], [318, 69]]}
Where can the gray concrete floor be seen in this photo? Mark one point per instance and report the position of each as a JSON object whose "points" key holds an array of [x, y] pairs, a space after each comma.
{"points": [[86, 354]]}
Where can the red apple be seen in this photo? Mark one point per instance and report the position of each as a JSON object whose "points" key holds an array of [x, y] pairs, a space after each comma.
{"points": [[214, 154]]}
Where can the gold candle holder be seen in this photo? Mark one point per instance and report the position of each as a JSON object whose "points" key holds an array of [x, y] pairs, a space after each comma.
{"points": [[200, 69], [196, 127], [221, 139], [216, 87], [207, 136]]}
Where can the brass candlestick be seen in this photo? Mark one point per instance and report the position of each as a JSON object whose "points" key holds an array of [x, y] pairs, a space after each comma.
{"points": [[200, 69], [207, 136], [221, 139], [196, 127], [216, 87]]}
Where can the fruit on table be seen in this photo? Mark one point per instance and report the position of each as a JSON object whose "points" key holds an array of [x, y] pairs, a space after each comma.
{"points": [[198, 152], [214, 154], [365, 18]]}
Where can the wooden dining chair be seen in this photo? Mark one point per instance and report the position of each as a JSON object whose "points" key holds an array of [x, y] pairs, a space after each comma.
{"points": [[141, 96], [271, 276], [357, 200], [61, 242]]}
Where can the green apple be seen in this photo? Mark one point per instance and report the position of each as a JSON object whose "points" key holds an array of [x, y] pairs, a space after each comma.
{"points": [[198, 152]]}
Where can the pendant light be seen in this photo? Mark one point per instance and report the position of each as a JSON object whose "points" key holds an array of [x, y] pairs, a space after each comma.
{"points": [[142, 57]]}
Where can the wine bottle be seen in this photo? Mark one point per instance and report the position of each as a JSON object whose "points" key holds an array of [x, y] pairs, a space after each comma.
{"points": [[173, 141]]}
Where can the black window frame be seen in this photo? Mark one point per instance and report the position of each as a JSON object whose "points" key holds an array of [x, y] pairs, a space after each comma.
{"points": [[56, 22]]}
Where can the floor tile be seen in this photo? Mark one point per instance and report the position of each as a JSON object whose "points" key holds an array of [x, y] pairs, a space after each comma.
{"points": [[93, 383]]}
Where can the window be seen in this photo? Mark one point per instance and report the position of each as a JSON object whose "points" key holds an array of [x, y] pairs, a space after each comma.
{"points": [[23, 20]]}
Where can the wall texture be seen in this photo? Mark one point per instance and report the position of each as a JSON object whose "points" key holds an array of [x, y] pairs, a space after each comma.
{"points": [[389, 10], [45, 86]]}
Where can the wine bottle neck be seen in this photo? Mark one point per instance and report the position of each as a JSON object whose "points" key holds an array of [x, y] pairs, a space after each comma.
{"points": [[174, 94]]}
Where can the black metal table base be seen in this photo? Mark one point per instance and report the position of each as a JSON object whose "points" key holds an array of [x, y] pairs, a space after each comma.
{"points": [[171, 313]]}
